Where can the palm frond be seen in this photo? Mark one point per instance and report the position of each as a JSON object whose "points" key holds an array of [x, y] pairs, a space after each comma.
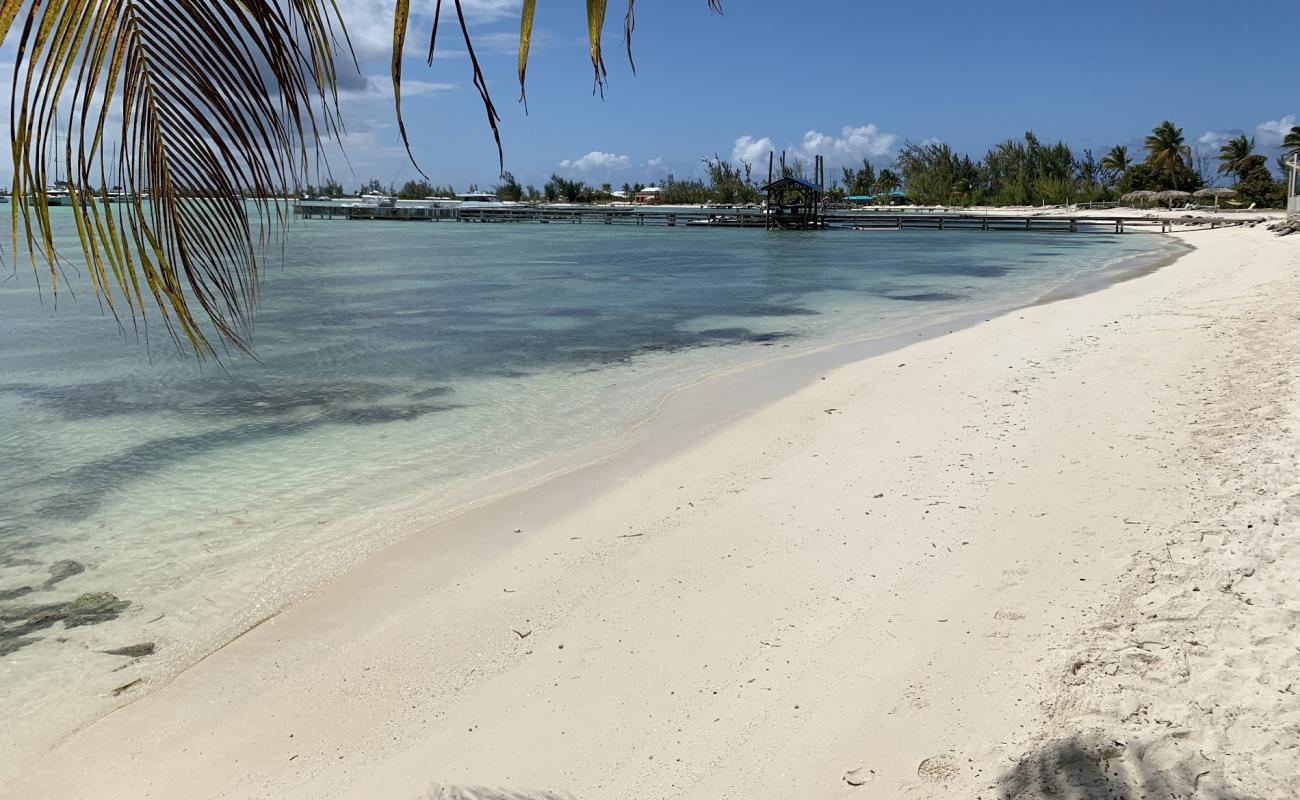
{"points": [[218, 98], [196, 104], [401, 18], [595, 26], [525, 43], [596, 10]]}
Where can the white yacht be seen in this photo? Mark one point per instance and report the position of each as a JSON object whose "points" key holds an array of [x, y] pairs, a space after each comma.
{"points": [[479, 200], [54, 196], [376, 200]]}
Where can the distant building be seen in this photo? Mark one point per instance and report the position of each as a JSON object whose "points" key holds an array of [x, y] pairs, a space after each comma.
{"points": [[650, 194]]}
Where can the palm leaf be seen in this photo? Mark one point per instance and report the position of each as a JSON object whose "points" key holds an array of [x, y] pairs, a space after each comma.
{"points": [[525, 43], [217, 98], [595, 26]]}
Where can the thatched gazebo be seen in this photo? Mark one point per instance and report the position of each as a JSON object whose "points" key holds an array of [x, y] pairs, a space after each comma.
{"points": [[1172, 195], [1140, 196], [1216, 192]]}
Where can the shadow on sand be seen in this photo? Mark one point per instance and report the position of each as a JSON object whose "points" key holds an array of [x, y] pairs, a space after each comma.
{"points": [[1098, 766], [486, 793]]}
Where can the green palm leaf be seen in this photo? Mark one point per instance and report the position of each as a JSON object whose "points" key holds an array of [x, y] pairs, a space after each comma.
{"points": [[1292, 141]]}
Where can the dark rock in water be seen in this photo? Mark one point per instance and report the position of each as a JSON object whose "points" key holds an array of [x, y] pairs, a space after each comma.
{"points": [[93, 608], [88, 609], [13, 594], [29, 613], [133, 651], [15, 644], [62, 570]]}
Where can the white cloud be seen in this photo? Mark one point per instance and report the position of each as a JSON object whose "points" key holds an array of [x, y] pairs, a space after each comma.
{"points": [[1213, 140], [654, 162], [597, 160], [370, 22], [1271, 133], [749, 150], [853, 144]]}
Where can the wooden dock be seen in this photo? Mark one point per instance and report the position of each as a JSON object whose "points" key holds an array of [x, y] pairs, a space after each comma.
{"points": [[691, 217], [316, 209]]}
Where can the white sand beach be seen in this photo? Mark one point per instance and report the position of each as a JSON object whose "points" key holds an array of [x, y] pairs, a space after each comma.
{"points": [[1057, 548]]}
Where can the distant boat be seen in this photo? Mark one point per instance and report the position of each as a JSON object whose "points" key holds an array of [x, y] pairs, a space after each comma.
{"points": [[376, 200], [480, 200], [54, 196]]}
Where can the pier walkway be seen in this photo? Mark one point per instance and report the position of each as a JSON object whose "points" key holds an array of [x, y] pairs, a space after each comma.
{"points": [[863, 220]]}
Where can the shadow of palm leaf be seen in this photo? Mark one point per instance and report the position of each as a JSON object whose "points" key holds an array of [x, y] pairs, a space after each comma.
{"points": [[488, 793], [1098, 766]]}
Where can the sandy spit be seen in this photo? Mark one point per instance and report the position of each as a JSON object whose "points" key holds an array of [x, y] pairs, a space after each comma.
{"points": [[1053, 552]]}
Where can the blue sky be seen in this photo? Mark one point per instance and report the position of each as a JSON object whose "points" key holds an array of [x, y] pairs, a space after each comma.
{"points": [[969, 73], [846, 79]]}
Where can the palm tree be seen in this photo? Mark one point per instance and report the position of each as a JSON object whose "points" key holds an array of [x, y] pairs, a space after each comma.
{"points": [[1117, 160], [1234, 153], [197, 104], [1167, 151], [1291, 143], [887, 181]]}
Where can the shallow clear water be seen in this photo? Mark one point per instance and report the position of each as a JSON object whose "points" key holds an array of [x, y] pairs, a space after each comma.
{"points": [[403, 369]]}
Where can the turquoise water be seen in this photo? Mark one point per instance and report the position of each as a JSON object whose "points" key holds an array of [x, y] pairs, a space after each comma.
{"points": [[403, 370]]}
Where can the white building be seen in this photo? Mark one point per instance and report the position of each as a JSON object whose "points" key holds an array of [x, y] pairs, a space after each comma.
{"points": [[650, 194]]}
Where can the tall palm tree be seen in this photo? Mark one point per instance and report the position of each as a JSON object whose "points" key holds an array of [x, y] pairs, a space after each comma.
{"points": [[1234, 153], [1117, 160], [1167, 150], [194, 104]]}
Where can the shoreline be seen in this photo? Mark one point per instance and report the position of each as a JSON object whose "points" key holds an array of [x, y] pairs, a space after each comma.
{"points": [[489, 528], [683, 413]]}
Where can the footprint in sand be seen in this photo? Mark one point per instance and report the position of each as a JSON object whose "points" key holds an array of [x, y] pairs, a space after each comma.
{"points": [[938, 769], [1008, 615]]}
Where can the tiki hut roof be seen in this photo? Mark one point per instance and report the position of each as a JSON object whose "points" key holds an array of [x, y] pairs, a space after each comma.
{"points": [[1215, 191], [783, 182]]}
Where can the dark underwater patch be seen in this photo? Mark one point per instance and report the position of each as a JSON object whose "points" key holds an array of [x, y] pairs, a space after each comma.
{"points": [[927, 297], [96, 480]]}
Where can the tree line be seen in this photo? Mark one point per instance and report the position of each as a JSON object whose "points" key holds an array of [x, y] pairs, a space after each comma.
{"points": [[1024, 171], [1028, 171]]}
